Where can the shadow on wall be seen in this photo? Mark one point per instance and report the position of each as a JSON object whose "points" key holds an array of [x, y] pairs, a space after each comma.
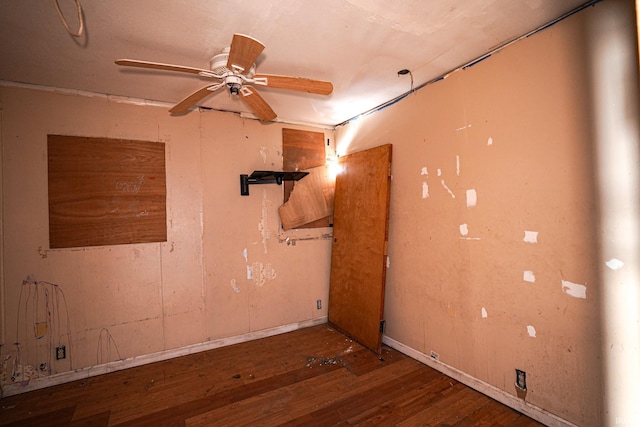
{"points": [[613, 74]]}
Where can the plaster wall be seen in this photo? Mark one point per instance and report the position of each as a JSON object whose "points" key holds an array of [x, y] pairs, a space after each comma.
{"points": [[224, 271], [493, 259]]}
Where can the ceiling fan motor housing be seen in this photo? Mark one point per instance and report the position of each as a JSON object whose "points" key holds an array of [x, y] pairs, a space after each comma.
{"points": [[218, 64]]}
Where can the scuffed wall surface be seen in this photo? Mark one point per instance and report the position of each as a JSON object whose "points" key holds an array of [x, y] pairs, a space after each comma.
{"points": [[125, 301], [493, 229]]}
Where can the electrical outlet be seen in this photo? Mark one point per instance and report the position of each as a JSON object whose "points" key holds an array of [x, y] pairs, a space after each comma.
{"points": [[61, 352], [319, 304], [434, 355], [521, 379]]}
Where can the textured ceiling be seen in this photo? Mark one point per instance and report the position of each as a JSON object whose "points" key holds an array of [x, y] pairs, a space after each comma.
{"points": [[358, 45]]}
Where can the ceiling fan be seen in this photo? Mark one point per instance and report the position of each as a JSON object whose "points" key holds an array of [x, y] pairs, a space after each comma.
{"points": [[234, 69]]}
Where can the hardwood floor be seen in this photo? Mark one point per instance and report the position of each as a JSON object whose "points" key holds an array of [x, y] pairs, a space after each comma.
{"points": [[311, 377]]}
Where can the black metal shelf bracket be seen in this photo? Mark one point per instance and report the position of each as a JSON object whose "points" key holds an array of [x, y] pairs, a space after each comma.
{"points": [[268, 177]]}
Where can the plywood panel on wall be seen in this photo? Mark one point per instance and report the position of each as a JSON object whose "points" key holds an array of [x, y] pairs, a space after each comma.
{"points": [[311, 199], [105, 191], [303, 150]]}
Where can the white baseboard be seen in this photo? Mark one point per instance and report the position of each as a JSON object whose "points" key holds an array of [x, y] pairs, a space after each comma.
{"points": [[493, 392], [79, 374]]}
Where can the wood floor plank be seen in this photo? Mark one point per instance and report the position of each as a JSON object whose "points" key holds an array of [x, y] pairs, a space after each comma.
{"points": [[523, 421], [489, 415], [404, 406], [353, 404], [270, 405], [248, 364], [97, 420], [54, 418], [457, 402], [282, 405], [228, 396], [312, 377]]}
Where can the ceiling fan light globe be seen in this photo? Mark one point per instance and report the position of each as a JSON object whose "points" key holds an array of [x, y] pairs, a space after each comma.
{"points": [[234, 83]]}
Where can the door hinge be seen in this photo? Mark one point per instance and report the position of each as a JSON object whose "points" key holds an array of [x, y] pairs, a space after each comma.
{"points": [[382, 325]]}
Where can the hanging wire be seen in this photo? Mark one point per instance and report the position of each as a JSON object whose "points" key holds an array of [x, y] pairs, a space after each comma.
{"points": [[64, 20], [109, 340], [404, 72], [29, 313]]}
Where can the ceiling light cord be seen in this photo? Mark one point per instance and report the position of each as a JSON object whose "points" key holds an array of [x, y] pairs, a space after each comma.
{"points": [[64, 21]]}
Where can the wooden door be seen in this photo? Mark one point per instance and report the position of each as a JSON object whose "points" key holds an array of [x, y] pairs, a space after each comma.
{"points": [[359, 249]]}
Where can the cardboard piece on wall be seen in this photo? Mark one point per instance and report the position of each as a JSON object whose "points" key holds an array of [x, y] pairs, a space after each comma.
{"points": [[40, 329], [310, 200]]}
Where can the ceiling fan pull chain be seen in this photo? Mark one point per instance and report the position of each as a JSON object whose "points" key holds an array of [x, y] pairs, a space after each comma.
{"points": [[64, 21]]}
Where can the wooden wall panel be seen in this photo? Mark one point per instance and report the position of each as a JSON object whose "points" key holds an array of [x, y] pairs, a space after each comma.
{"points": [[303, 150], [311, 199], [105, 191]]}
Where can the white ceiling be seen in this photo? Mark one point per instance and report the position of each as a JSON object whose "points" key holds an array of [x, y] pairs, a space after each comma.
{"points": [[358, 45]]}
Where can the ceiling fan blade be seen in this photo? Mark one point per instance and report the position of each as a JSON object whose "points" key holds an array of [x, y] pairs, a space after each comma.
{"points": [[257, 104], [166, 67], [300, 84], [194, 98], [243, 53]]}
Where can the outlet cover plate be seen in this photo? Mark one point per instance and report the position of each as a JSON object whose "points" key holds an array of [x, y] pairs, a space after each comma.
{"points": [[61, 352], [521, 379]]}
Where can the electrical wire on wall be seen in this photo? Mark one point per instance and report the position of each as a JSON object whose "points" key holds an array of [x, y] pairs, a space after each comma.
{"points": [[43, 333], [102, 349], [64, 20]]}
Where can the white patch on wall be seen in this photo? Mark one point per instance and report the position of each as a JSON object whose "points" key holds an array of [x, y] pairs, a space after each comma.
{"points": [[263, 225], [463, 128], [234, 286], [425, 190], [464, 231], [424, 171], [249, 272], [245, 255], [490, 141], [484, 313], [528, 276], [263, 153], [531, 331], [439, 172], [388, 262], [262, 272], [472, 198], [575, 290], [614, 264], [453, 196], [530, 237], [457, 165]]}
